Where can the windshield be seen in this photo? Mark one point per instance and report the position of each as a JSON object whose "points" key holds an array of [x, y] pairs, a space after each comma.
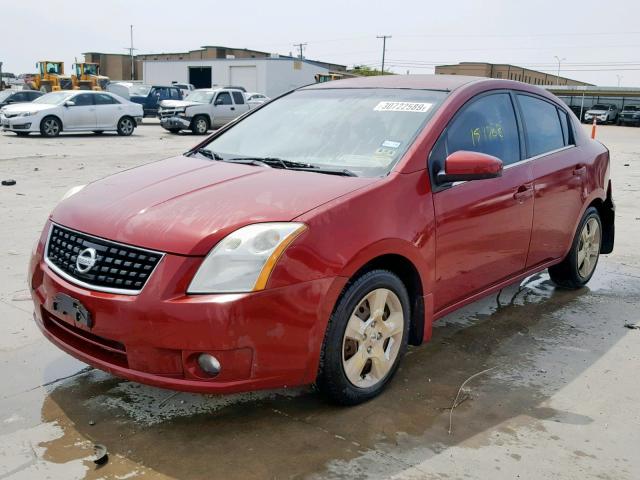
{"points": [[51, 67], [600, 107], [200, 97], [141, 90], [54, 98], [363, 130], [5, 94]]}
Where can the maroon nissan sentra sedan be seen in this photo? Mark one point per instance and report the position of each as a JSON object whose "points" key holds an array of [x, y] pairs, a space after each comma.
{"points": [[315, 237]]}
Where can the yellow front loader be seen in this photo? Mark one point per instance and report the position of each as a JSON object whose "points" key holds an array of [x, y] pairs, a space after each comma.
{"points": [[87, 77], [50, 77]]}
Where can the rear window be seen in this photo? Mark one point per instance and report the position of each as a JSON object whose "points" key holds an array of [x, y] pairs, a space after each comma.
{"points": [[542, 126]]}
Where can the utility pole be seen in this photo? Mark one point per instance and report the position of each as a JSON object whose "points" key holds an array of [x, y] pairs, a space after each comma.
{"points": [[559, 60], [300, 46], [384, 48], [131, 49]]}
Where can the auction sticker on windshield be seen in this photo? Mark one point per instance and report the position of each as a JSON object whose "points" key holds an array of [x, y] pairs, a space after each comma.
{"points": [[419, 107]]}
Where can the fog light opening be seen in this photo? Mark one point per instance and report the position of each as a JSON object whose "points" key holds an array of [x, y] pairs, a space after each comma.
{"points": [[209, 364]]}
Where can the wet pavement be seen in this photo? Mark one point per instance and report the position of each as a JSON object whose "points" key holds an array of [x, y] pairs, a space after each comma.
{"points": [[558, 397]]}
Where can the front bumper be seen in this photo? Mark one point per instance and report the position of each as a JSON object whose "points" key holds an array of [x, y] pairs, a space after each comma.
{"points": [[599, 119], [172, 123], [267, 339], [20, 124]]}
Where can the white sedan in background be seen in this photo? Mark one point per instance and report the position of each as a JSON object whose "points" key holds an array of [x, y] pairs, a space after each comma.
{"points": [[72, 111], [255, 99]]}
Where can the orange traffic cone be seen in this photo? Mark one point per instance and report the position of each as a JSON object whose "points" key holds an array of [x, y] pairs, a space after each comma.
{"points": [[593, 128]]}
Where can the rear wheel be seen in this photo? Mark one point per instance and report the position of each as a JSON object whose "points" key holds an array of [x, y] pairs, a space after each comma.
{"points": [[365, 339], [200, 125], [126, 125], [50, 127], [578, 266]]}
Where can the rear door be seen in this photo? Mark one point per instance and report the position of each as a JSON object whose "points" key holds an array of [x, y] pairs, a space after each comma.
{"points": [[483, 227], [108, 111], [81, 115], [559, 174], [241, 105]]}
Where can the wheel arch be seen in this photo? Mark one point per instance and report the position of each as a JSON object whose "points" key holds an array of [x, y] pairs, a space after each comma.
{"points": [[606, 210], [57, 117], [409, 274]]}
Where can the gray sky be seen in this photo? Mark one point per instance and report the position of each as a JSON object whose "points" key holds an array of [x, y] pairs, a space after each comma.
{"points": [[599, 39]]}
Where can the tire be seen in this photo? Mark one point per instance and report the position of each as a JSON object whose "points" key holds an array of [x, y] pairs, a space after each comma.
{"points": [[50, 126], [361, 351], [200, 125], [126, 126], [574, 272]]}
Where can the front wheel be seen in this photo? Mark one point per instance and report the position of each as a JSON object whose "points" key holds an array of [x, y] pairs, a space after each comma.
{"points": [[200, 125], [126, 126], [365, 339], [50, 127], [578, 266]]}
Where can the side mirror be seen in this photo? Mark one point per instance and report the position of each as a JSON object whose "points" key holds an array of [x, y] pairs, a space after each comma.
{"points": [[219, 101], [69, 103], [464, 165]]}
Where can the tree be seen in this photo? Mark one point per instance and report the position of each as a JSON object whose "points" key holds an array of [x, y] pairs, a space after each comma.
{"points": [[367, 71]]}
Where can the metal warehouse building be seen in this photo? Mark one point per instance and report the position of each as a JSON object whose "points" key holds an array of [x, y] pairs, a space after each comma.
{"points": [[271, 75]]}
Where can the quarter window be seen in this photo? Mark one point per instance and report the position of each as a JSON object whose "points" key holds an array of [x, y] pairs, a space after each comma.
{"points": [[541, 125], [238, 98], [564, 123], [487, 125]]}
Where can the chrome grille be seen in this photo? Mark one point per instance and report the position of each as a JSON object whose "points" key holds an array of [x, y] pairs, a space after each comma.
{"points": [[118, 268]]}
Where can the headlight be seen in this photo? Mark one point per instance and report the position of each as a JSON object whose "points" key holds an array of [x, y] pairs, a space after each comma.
{"points": [[72, 191], [26, 114], [243, 260]]}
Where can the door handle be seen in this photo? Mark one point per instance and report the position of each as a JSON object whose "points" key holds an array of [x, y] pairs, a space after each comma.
{"points": [[522, 193], [580, 171]]}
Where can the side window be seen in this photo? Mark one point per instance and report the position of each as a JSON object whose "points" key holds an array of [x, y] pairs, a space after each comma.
{"points": [[175, 94], [33, 95], [103, 99], [223, 98], [238, 98], [564, 123], [83, 100], [486, 125], [541, 125]]}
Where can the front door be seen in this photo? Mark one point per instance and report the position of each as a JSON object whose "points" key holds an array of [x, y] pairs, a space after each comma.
{"points": [[82, 114], [483, 227], [223, 109]]}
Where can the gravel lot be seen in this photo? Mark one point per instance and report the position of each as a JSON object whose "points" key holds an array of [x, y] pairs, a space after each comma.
{"points": [[561, 400]]}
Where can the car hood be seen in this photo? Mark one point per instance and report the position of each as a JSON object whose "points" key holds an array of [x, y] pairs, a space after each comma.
{"points": [[177, 103], [27, 107], [185, 205]]}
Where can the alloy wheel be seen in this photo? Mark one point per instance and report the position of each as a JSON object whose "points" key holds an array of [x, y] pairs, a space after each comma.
{"points": [[51, 127], [372, 338], [589, 247], [126, 126], [201, 125]]}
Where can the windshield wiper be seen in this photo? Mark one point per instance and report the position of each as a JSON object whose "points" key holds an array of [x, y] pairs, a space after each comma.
{"points": [[291, 165], [207, 153]]}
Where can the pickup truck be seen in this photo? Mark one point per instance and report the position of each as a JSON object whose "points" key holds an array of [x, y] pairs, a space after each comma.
{"points": [[203, 109]]}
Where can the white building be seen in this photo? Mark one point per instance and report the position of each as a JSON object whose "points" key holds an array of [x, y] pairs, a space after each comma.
{"points": [[271, 76]]}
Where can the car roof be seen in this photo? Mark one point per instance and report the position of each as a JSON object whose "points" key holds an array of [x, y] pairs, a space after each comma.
{"points": [[417, 82]]}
